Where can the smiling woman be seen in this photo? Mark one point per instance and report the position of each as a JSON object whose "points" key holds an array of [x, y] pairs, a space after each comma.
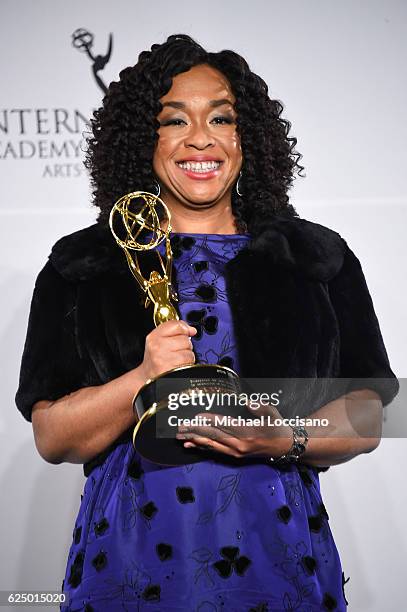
{"points": [[260, 291], [198, 155]]}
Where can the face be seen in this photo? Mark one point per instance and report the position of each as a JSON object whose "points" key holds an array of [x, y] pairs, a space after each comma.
{"points": [[198, 154]]}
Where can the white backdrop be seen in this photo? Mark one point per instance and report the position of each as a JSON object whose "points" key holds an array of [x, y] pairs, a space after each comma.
{"points": [[339, 69]]}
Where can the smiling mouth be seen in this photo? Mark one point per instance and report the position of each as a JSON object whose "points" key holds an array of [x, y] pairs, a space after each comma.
{"points": [[199, 167]]}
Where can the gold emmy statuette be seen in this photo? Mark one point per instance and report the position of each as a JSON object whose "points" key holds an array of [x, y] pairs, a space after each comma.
{"points": [[136, 221]]}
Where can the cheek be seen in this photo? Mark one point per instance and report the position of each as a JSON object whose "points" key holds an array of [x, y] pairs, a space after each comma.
{"points": [[235, 149], [164, 149], [232, 145], [159, 156], [237, 145]]}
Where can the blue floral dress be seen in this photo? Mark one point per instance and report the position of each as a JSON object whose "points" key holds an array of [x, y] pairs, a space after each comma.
{"points": [[208, 536]]}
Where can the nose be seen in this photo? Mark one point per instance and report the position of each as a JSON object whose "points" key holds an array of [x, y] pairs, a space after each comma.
{"points": [[199, 136]]}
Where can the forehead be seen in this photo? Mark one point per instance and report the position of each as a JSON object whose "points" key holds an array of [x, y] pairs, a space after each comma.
{"points": [[199, 82]]}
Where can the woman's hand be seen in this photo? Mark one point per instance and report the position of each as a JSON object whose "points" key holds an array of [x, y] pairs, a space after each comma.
{"points": [[240, 440], [166, 347]]}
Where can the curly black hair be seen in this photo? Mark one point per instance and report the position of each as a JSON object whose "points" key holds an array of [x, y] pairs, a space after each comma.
{"points": [[124, 132]]}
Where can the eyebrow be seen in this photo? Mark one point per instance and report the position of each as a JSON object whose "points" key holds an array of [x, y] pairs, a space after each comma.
{"points": [[213, 103]]}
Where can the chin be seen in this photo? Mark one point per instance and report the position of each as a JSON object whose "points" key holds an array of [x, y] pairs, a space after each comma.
{"points": [[203, 198], [203, 201]]}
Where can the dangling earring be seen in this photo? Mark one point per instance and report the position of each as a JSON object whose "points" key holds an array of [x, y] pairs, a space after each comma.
{"points": [[157, 188], [237, 185]]}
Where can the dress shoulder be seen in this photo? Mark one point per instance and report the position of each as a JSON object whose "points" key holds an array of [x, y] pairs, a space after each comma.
{"points": [[310, 248], [51, 366], [86, 253]]}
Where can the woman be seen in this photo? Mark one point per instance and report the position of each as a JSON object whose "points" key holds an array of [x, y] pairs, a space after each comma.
{"points": [[260, 290]]}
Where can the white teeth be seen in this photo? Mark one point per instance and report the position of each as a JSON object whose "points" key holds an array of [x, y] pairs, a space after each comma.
{"points": [[199, 166]]}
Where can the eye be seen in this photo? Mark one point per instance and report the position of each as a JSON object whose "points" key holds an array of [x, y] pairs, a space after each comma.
{"points": [[220, 120], [172, 122], [223, 120]]}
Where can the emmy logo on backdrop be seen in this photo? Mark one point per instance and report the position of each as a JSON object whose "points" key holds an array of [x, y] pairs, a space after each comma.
{"points": [[82, 40], [140, 221]]}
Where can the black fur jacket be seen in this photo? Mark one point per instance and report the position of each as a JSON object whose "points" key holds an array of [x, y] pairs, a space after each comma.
{"points": [[300, 306]]}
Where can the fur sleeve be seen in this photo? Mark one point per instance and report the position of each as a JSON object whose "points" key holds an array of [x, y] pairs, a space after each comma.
{"points": [[363, 356], [50, 365]]}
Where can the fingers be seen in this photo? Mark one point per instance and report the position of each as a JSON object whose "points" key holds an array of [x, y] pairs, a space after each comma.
{"points": [[175, 328], [171, 336], [218, 431], [168, 346], [185, 357], [172, 343], [211, 434], [209, 444]]}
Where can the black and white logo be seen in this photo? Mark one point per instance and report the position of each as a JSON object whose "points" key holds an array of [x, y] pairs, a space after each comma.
{"points": [[82, 40]]}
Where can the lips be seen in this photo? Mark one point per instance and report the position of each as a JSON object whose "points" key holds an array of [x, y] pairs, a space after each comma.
{"points": [[198, 158]]}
